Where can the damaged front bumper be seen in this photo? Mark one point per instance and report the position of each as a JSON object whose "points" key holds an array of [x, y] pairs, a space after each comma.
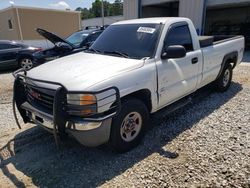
{"points": [[53, 112]]}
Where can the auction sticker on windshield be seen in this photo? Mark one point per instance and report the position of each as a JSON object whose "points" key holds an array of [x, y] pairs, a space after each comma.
{"points": [[146, 30]]}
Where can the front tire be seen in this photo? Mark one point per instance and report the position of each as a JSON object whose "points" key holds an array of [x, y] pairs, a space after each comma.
{"points": [[225, 79], [129, 126], [26, 63]]}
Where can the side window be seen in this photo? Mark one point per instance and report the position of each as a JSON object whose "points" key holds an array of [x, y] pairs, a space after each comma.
{"points": [[93, 37], [1, 47], [180, 35], [7, 46]]}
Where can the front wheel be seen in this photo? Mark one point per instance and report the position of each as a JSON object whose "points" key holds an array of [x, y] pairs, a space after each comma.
{"points": [[225, 79], [26, 63], [129, 126]]}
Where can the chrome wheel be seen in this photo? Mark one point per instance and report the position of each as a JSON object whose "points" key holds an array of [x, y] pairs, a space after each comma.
{"points": [[226, 78], [131, 126], [26, 63]]}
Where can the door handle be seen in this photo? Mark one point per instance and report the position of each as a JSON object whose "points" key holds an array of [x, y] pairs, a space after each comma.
{"points": [[195, 60]]}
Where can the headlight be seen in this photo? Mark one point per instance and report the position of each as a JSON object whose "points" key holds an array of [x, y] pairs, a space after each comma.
{"points": [[86, 102], [92, 104], [81, 99]]}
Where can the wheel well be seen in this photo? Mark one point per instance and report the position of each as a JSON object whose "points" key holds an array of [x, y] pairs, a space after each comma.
{"points": [[231, 59], [24, 56], [144, 95]]}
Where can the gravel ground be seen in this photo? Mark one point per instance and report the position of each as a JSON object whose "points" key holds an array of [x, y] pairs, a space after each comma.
{"points": [[6, 83], [205, 144]]}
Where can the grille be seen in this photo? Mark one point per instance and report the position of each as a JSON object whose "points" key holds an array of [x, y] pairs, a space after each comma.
{"points": [[42, 97]]}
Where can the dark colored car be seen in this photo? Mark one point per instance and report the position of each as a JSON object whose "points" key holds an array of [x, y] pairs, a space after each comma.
{"points": [[14, 54], [76, 42]]}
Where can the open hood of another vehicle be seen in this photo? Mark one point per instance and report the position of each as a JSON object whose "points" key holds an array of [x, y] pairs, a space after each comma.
{"points": [[52, 37]]}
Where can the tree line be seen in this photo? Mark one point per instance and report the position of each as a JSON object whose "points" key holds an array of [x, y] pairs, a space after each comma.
{"points": [[110, 9]]}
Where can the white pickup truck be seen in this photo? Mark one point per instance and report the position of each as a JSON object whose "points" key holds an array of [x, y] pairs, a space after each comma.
{"points": [[134, 69]]}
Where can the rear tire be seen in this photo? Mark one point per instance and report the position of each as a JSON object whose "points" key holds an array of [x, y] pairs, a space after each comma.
{"points": [[129, 126], [225, 79]]}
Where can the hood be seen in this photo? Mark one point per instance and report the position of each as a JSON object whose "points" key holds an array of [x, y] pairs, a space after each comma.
{"points": [[52, 37], [82, 70]]}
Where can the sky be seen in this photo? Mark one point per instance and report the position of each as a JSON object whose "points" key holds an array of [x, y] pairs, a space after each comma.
{"points": [[52, 4]]}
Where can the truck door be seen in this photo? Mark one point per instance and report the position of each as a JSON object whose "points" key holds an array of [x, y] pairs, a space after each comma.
{"points": [[178, 77]]}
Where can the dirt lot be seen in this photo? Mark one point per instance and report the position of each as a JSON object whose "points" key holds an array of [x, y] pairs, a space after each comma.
{"points": [[205, 144]]}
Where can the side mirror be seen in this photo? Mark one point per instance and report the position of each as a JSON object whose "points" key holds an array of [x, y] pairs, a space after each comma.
{"points": [[175, 51]]}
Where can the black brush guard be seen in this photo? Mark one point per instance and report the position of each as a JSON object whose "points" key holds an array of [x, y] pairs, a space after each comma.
{"points": [[59, 115]]}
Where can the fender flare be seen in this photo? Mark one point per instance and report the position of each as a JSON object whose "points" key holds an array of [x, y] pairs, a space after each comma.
{"points": [[233, 57], [20, 56]]}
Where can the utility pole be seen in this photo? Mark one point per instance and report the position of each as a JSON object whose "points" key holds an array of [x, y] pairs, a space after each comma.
{"points": [[102, 14]]}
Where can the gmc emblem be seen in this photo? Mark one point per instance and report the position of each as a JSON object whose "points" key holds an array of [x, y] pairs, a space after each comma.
{"points": [[35, 94]]}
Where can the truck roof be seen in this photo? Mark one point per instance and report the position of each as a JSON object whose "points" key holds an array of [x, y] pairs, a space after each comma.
{"points": [[156, 20]]}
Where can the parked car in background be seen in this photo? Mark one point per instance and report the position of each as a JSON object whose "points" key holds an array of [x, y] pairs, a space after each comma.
{"points": [[14, 54], [96, 27], [76, 42]]}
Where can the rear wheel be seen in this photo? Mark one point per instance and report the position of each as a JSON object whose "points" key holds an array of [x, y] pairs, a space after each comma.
{"points": [[225, 79], [26, 63], [129, 126]]}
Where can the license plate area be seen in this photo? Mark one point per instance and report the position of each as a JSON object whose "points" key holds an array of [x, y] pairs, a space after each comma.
{"points": [[40, 120]]}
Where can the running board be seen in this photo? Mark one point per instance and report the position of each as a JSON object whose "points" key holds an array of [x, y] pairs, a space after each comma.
{"points": [[172, 107]]}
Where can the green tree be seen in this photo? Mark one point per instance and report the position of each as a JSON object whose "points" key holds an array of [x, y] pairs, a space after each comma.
{"points": [[96, 8], [78, 9], [110, 9], [87, 14], [117, 7], [106, 6]]}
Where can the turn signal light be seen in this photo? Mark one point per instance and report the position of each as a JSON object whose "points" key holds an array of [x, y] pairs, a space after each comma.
{"points": [[87, 100]]}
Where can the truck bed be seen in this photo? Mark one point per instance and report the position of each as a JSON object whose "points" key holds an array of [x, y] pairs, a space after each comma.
{"points": [[214, 49], [206, 41]]}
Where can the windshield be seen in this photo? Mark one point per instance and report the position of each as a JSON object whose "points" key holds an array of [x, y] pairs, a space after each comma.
{"points": [[132, 40], [77, 38]]}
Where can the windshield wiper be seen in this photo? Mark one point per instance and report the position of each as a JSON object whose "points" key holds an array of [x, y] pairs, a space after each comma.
{"points": [[117, 53]]}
